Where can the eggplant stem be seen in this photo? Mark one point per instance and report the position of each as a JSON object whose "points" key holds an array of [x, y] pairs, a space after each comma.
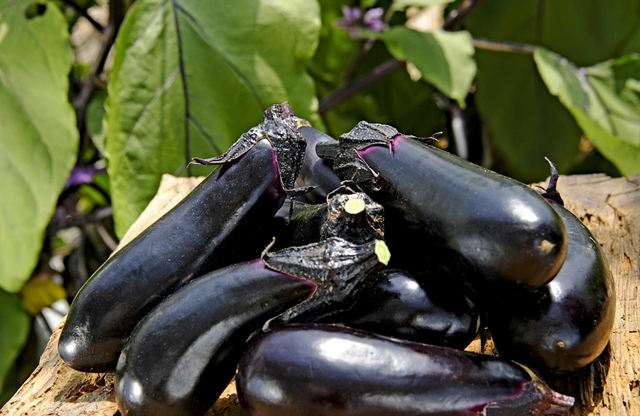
{"points": [[559, 403], [551, 193]]}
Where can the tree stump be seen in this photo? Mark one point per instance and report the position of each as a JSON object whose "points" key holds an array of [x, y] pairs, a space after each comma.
{"points": [[610, 386]]}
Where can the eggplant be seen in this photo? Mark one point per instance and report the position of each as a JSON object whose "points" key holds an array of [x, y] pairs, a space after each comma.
{"points": [[336, 266], [396, 304], [348, 213], [217, 224], [317, 172], [298, 223], [325, 370], [566, 324], [184, 352], [497, 234]]}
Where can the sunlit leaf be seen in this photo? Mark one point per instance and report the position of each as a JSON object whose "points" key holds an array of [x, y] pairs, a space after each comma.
{"points": [[95, 118], [189, 77], [38, 136], [605, 101], [445, 59], [525, 121], [13, 332]]}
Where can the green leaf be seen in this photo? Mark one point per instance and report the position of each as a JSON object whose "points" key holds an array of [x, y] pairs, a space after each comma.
{"points": [[41, 292], [95, 120], [445, 59], [335, 49], [38, 136], [189, 77], [525, 121], [403, 4], [13, 332], [605, 101]]}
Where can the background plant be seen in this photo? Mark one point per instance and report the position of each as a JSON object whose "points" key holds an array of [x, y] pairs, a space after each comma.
{"points": [[84, 140]]}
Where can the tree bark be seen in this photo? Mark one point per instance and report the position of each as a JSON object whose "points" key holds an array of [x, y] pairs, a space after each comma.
{"points": [[610, 386]]}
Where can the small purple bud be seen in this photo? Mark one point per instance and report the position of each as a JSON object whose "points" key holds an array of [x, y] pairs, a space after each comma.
{"points": [[352, 20], [373, 20], [351, 14], [82, 174]]}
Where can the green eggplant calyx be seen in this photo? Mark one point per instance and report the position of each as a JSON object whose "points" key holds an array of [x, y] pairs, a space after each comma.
{"points": [[536, 399], [353, 215], [347, 162], [335, 265], [280, 128]]}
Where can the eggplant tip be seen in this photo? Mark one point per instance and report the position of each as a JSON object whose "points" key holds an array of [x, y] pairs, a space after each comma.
{"points": [[74, 354]]}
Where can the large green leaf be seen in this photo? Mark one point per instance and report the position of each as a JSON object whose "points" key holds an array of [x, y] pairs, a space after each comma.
{"points": [[445, 59], [524, 119], [13, 332], [38, 137], [189, 77], [605, 101]]}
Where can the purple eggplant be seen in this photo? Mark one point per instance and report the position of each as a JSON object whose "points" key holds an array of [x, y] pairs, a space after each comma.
{"points": [[564, 325], [298, 223], [184, 352], [396, 304], [498, 235], [317, 172], [202, 233], [324, 370]]}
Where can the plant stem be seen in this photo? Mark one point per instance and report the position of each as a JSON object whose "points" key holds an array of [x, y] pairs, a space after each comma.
{"points": [[89, 85], [502, 46], [82, 12], [358, 84], [460, 14], [351, 86]]}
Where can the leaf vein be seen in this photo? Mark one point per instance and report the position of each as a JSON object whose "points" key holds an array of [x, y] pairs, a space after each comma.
{"points": [[155, 96], [224, 56], [26, 109], [185, 88], [206, 135]]}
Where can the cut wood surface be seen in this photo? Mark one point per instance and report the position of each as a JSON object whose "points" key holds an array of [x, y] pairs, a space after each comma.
{"points": [[610, 207]]}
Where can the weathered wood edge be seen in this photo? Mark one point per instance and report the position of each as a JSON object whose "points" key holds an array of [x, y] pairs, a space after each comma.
{"points": [[610, 386]]}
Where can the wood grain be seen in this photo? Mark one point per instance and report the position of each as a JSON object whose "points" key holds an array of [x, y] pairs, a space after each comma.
{"points": [[610, 386]]}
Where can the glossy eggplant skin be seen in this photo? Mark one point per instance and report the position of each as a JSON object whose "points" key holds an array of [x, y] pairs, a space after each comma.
{"points": [[215, 225], [564, 325], [396, 304], [325, 370], [315, 171], [184, 353], [298, 224], [498, 235]]}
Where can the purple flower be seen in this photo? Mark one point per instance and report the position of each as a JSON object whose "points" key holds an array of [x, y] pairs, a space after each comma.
{"points": [[373, 20], [82, 174], [351, 14], [352, 20]]}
